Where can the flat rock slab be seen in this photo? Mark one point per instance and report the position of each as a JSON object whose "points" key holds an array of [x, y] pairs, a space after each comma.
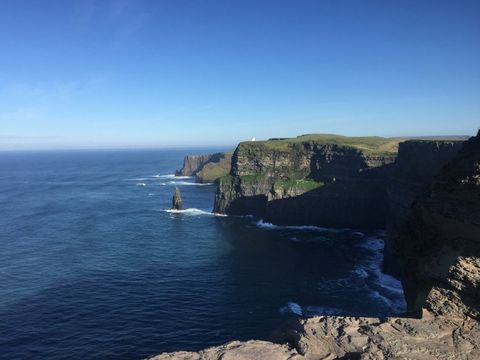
{"points": [[333, 337], [237, 350]]}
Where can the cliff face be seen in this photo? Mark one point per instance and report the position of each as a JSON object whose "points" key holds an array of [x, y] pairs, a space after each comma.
{"points": [[215, 168], [306, 182], [193, 163], [439, 245], [417, 163], [330, 183], [206, 168], [439, 257]]}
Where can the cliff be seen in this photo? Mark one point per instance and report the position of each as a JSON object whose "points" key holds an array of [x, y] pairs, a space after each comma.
{"points": [[417, 163], [439, 244], [206, 168], [328, 180], [314, 179], [439, 257]]}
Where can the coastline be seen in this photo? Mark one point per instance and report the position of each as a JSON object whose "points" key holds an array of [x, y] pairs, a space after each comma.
{"points": [[443, 302]]}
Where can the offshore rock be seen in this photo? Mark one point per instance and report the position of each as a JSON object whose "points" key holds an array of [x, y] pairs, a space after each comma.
{"points": [[177, 200]]}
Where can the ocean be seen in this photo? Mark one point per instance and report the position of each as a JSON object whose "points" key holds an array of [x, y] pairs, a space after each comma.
{"points": [[93, 265]]}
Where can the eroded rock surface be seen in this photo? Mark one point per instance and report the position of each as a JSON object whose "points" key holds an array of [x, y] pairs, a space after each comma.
{"points": [[328, 337], [237, 350]]}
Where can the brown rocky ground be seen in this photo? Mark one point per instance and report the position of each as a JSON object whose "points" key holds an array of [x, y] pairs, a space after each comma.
{"points": [[326, 337]]}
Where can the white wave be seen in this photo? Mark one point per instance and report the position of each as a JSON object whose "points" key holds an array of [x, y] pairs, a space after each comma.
{"points": [[294, 308], [361, 272], [184, 183], [193, 212], [396, 304], [189, 211], [269, 226], [172, 176], [375, 265], [394, 291], [291, 307], [219, 215], [141, 184]]}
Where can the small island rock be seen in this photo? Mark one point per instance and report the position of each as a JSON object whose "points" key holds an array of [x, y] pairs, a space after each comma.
{"points": [[177, 200]]}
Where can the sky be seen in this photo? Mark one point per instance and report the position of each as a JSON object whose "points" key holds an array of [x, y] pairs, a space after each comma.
{"points": [[134, 73]]}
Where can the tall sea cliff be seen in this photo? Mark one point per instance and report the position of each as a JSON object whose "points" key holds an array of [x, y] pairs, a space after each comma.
{"points": [[330, 180], [206, 168], [437, 245]]}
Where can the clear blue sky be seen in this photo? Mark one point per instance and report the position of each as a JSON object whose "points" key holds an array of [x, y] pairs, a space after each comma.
{"points": [[164, 73]]}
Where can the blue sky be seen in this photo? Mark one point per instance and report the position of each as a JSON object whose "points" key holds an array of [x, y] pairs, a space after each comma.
{"points": [[172, 73]]}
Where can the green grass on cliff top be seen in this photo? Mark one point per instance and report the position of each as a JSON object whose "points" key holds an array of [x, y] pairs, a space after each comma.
{"points": [[303, 184], [214, 170], [371, 144]]}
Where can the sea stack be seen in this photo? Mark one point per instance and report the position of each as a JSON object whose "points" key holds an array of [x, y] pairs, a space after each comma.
{"points": [[177, 200]]}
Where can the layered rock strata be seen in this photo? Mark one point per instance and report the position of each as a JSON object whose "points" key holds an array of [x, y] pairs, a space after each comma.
{"points": [[334, 181]]}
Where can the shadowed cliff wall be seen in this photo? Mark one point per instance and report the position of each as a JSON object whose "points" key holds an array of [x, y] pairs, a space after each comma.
{"points": [[439, 244], [329, 184]]}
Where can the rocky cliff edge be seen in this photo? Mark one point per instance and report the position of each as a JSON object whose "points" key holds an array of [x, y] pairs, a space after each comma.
{"points": [[440, 265]]}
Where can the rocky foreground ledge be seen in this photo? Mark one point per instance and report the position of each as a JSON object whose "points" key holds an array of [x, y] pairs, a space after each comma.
{"points": [[327, 337], [439, 257]]}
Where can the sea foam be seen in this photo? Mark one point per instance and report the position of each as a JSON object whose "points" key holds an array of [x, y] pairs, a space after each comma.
{"points": [[172, 176], [296, 309], [269, 226], [292, 308], [192, 212], [184, 183], [392, 287]]}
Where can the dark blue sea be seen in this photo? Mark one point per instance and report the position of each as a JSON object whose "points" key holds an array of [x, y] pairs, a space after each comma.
{"points": [[92, 266]]}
